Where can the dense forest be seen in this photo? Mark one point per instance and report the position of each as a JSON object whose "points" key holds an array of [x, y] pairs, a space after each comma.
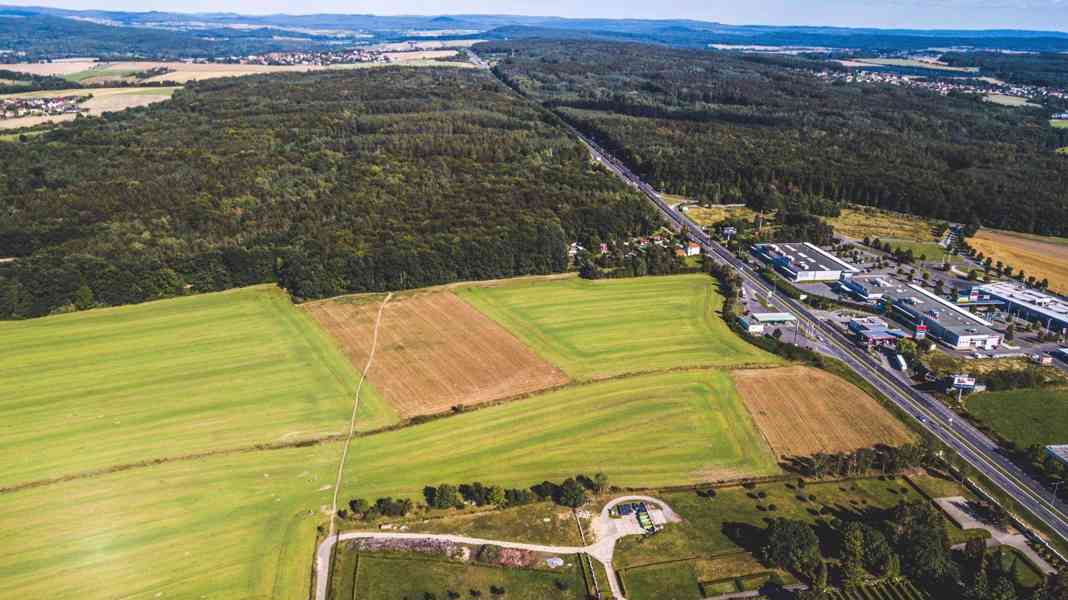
{"points": [[327, 182], [1046, 69], [723, 127]]}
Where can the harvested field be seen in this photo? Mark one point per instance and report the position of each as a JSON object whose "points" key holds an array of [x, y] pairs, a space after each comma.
{"points": [[803, 411], [183, 72], [1010, 101], [420, 55], [424, 45], [435, 351], [913, 63], [1043, 257]]}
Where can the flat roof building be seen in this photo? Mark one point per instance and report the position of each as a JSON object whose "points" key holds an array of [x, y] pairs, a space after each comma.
{"points": [[870, 288], [751, 325], [1045, 309], [778, 318], [944, 321], [1059, 452], [873, 331], [803, 262]]}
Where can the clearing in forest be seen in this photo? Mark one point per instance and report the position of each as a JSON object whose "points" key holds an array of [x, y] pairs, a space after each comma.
{"points": [[434, 352], [859, 222], [1042, 256], [803, 411], [111, 386], [599, 329]]}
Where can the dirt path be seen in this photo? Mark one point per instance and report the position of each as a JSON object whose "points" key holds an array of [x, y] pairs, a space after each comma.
{"points": [[602, 550], [352, 419]]}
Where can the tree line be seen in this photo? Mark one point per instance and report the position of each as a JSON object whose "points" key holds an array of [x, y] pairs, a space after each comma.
{"points": [[572, 492], [327, 183]]}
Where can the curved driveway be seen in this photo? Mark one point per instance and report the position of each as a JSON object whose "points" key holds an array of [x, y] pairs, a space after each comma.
{"points": [[606, 529]]}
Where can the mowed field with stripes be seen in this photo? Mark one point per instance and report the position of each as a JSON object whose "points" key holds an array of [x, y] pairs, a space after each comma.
{"points": [[648, 397], [599, 329], [101, 388]]}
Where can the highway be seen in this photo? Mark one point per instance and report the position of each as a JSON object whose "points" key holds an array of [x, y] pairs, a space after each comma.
{"points": [[978, 450], [975, 447]]}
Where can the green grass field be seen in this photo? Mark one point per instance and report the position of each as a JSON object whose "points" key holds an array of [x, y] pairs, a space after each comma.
{"points": [[595, 329], [703, 536], [95, 389], [931, 250], [651, 430], [236, 526], [14, 137], [243, 525], [81, 76], [1059, 123], [1027, 417], [376, 577], [671, 581]]}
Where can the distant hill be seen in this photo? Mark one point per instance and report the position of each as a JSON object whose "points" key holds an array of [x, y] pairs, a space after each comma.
{"points": [[199, 34]]}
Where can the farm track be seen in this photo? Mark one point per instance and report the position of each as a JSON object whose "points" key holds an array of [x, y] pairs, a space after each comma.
{"points": [[355, 408]]}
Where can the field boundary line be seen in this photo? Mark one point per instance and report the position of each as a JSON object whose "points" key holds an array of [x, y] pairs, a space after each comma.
{"points": [[352, 418], [411, 422], [152, 462]]}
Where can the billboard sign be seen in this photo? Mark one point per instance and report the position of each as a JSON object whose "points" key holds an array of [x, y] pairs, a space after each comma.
{"points": [[963, 382]]}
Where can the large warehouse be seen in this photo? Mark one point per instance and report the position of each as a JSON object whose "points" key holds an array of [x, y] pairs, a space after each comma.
{"points": [[803, 262], [944, 321], [1046, 310]]}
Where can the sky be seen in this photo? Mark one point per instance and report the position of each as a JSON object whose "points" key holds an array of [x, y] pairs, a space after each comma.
{"points": [[914, 14]]}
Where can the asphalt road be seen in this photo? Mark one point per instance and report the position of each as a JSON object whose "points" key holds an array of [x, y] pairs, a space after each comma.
{"points": [[974, 446]]}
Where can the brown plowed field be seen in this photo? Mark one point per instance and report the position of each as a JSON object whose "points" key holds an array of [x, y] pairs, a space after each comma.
{"points": [[803, 411], [435, 351]]}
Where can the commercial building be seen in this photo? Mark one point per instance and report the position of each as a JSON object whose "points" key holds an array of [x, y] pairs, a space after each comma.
{"points": [[751, 325], [803, 262], [779, 318], [1058, 452], [875, 332], [1045, 309], [933, 316], [865, 289]]}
